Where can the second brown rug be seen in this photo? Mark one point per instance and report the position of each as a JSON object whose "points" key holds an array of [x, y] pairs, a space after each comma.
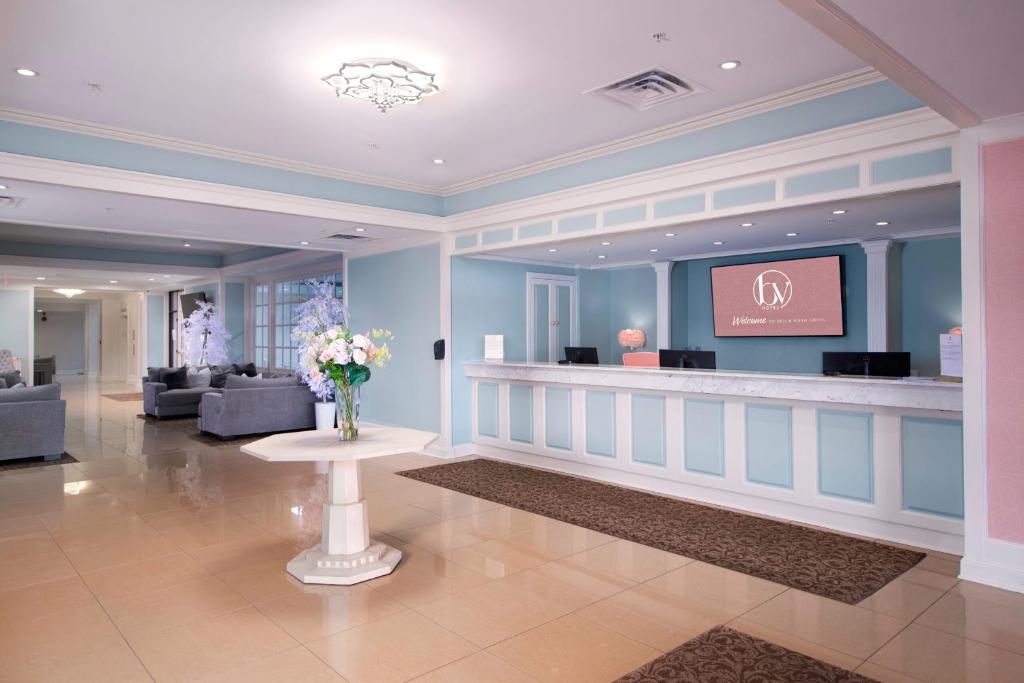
{"points": [[124, 398], [827, 564], [723, 655]]}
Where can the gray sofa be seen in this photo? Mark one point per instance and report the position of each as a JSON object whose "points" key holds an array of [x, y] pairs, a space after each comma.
{"points": [[159, 401], [32, 422], [248, 405]]}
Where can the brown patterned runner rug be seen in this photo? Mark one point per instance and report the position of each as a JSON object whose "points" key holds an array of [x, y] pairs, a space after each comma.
{"points": [[723, 655], [820, 562]]}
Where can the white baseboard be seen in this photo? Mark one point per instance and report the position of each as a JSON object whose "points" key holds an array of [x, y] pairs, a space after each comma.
{"points": [[845, 523], [1009, 577], [449, 452]]}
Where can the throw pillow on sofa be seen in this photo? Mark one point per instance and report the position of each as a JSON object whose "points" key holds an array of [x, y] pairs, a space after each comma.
{"points": [[198, 379], [11, 378], [174, 378], [249, 369]]}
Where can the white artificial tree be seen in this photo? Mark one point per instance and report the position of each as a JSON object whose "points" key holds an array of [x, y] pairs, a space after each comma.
{"points": [[205, 340]]}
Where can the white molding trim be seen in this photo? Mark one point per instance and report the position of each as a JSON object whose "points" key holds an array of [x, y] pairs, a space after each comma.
{"points": [[55, 172], [865, 139], [663, 289], [804, 93], [759, 105], [177, 144]]}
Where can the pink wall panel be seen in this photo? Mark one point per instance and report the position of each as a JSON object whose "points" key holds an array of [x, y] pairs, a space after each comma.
{"points": [[1003, 244]]}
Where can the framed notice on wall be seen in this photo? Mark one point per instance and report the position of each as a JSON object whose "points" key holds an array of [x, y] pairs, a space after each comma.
{"points": [[795, 298]]}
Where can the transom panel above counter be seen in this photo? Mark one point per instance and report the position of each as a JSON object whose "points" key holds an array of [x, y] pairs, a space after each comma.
{"points": [[879, 457]]}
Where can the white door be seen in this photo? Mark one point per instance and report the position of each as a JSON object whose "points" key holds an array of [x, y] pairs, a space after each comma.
{"points": [[551, 323]]}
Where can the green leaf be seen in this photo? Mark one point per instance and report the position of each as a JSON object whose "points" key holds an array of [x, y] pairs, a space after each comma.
{"points": [[357, 374]]}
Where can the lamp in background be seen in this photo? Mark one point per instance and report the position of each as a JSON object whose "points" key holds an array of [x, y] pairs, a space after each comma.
{"points": [[632, 339]]}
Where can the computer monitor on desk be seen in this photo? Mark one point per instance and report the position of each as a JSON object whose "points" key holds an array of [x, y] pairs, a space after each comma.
{"points": [[580, 355], [875, 364], [694, 360]]}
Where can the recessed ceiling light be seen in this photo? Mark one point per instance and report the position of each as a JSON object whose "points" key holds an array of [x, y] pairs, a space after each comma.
{"points": [[792, 234], [730, 65], [746, 225], [601, 256], [360, 229], [718, 243], [3, 187], [838, 212], [152, 279], [670, 234], [22, 71], [304, 243], [882, 224], [653, 251], [552, 251], [187, 244], [113, 282], [438, 161], [40, 278], [166, 275], [606, 244]]}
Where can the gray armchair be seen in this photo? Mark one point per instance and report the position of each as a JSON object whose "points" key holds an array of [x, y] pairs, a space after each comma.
{"points": [[32, 422]]}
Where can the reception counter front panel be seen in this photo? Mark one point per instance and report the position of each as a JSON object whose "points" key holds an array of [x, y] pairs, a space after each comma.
{"points": [[882, 458]]}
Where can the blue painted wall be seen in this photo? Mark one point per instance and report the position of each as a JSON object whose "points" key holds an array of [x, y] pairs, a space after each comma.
{"points": [[16, 328], [156, 330], [613, 300], [234, 320], [401, 291], [691, 299], [931, 301], [488, 297]]}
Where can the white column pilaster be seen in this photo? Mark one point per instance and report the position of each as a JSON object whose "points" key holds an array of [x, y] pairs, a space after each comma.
{"points": [[663, 271], [878, 293]]}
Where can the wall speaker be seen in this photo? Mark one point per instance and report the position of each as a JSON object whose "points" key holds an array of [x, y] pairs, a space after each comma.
{"points": [[439, 349]]}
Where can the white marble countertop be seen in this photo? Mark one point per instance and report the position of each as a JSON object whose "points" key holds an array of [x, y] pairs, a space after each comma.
{"points": [[922, 394], [323, 445]]}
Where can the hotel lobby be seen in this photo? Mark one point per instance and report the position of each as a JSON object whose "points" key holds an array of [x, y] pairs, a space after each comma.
{"points": [[650, 342]]}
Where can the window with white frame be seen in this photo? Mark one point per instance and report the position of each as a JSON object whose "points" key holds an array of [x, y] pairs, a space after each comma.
{"points": [[275, 305]]}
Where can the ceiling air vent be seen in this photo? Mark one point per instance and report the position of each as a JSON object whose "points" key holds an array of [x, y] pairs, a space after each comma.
{"points": [[343, 236], [649, 89], [10, 202]]}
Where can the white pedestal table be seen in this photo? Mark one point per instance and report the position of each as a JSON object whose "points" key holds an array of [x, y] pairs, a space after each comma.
{"points": [[345, 555]]}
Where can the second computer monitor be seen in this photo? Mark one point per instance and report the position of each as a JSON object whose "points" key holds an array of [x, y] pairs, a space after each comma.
{"points": [[696, 360], [581, 355]]}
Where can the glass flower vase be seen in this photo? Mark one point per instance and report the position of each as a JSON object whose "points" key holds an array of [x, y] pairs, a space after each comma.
{"points": [[346, 402]]}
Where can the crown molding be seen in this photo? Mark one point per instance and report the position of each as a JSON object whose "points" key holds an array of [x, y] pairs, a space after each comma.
{"points": [[178, 145], [804, 93], [796, 95]]}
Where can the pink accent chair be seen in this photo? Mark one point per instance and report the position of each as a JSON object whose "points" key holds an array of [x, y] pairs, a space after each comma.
{"points": [[641, 359]]}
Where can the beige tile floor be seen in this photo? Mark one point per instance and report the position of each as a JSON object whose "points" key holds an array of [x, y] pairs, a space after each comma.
{"points": [[161, 558]]}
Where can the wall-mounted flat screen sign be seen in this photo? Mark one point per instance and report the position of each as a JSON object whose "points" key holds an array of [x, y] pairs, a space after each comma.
{"points": [[797, 298]]}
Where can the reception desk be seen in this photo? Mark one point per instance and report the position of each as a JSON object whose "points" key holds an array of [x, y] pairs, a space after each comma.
{"points": [[877, 457]]}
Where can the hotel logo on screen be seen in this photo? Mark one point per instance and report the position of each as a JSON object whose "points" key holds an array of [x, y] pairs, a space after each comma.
{"points": [[797, 298]]}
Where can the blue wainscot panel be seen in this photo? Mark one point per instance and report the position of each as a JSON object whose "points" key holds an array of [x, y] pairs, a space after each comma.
{"points": [[558, 418], [487, 409], [496, 236], [918, 165], [586, 221], [534, 230], [845, 178], [679, 206], [466, 241], [769, 437], [520, 413], [933, 466], [846, 455], [648, 429], [601, 423], [758, 193], [623, 215], [704, 436]]}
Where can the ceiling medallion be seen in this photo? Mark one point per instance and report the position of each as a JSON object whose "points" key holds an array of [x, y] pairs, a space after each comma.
{"points": [[384, 83]]}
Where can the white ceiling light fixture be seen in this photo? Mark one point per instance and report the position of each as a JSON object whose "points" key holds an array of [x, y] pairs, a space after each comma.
{"points": [[552, 251], [606, 244], [304, 243], [653, 251], [3, 187], [438, 161], [838, 212], [792, 234], [24, 71], [40, 278], [882, 224], [187, 244], [601, 256], [113, 282], [746, 225], [729, 65], [718, 243], [670, 234], [384, 83], [360, 229], [69, 292], [152, 279]]}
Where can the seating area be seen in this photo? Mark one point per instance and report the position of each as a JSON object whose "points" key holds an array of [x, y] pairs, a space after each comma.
{"points": [[513, 341]]}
